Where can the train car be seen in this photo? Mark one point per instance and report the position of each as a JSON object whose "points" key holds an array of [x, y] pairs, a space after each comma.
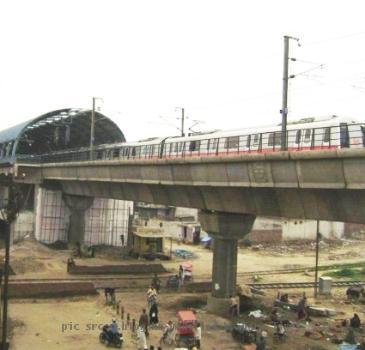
{"points": [[302, 135], [305, 134]]}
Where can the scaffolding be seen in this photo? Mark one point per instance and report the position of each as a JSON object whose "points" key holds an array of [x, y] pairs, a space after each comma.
{"points": [[53, 219], [106, 222]]}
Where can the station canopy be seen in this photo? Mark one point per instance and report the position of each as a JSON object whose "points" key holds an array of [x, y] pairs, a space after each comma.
{"points": [[59, 130]]}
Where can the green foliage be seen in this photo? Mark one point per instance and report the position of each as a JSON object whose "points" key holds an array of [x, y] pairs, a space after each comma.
{"points": [[246, 243]]}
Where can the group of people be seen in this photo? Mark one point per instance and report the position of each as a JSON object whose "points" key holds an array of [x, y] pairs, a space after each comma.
{"points": [[150, 319]]}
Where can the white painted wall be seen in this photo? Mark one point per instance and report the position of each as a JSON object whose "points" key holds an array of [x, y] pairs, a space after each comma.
{"points": [[22, 226], [306, 229], [106, 220]]}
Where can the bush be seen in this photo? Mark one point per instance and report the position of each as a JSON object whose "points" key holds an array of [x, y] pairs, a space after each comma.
{"points": [[246, 243]]}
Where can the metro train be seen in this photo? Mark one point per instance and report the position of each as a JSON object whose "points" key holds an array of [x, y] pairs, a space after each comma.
{"points": [[305, 134]]}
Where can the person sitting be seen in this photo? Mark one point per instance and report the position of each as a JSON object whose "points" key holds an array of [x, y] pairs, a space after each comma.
{"points": [[284, 298], [114, 326], [280, 330], [355, 321]]}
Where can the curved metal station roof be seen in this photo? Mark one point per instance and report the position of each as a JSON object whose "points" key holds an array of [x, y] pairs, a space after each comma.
{"points": [[55, 131]]}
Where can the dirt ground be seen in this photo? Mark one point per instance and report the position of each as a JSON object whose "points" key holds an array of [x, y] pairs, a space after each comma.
{"points": [[74, 323]]}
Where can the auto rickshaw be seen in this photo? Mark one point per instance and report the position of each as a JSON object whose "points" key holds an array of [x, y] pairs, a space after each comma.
{"points": [[185, 334]]}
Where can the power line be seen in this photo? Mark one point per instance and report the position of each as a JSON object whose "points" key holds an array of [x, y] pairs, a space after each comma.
{"points": [[333, 39]]}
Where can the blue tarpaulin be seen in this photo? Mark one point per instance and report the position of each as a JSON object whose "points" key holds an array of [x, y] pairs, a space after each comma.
{"points": [[348, 347]]}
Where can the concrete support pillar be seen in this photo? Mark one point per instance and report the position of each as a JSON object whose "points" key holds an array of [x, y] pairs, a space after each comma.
{"points": [[224, 267], [226, 229], [77, 205]]}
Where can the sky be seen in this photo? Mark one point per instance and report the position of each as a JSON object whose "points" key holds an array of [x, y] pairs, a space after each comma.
{"points": [[222, 60]]}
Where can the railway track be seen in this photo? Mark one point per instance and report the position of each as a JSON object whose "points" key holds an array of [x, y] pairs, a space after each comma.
{"points": [[89, 278], [303, 285]]}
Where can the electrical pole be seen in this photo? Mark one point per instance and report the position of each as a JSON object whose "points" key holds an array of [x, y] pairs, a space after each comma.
{"points": [[92, 129], [284, 108], [14, 200], [5, 228], [182, 121], [318, 236], [182, 128]]}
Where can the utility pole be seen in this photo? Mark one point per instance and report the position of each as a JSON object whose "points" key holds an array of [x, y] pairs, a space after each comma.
{"points": [[5, 229], [284, 108], [182, 128], [92, 129], [182, 121], [318, 236], [14, 200]]}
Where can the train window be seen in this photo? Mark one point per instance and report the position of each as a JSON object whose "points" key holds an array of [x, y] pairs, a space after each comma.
{"points": [[344, 135], [176, 147], [256, 139], [212, 144], [248, 141], [115, 153], [171, 147], [231, 142], [307, 135], [277, 138], [99, 155], [270, 141], [298, 136], [327, 135], [194, 146]]}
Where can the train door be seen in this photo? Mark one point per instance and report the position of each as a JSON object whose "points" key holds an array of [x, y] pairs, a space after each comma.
{"points": [[344, 135]]}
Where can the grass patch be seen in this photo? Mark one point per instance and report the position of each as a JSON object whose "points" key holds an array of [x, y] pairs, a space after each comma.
{"points": [[348, 273]]}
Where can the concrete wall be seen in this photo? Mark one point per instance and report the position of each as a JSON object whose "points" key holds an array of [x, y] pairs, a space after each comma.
{"points": [[306, 229], [106, 221], [51, 216], [23, 226]]}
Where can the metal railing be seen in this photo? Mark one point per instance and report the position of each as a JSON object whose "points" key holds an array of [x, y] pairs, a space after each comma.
{"points": [[342, 136]]}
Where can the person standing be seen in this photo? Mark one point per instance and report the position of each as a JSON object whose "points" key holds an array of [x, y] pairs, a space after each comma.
{"points": [[143, 322], [142, 341], [233, 309], [302, 308], [261, 343], [198, 335]]}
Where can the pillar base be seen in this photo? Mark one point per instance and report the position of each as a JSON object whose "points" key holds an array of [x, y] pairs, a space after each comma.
{"points": [[218, 306]]}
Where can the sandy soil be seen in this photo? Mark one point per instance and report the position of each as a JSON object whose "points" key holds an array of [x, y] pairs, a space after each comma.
{"points": [[67, 323]]}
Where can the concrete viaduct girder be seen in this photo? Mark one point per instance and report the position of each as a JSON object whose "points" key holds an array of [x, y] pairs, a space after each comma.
{"points": [[326, 185]]}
